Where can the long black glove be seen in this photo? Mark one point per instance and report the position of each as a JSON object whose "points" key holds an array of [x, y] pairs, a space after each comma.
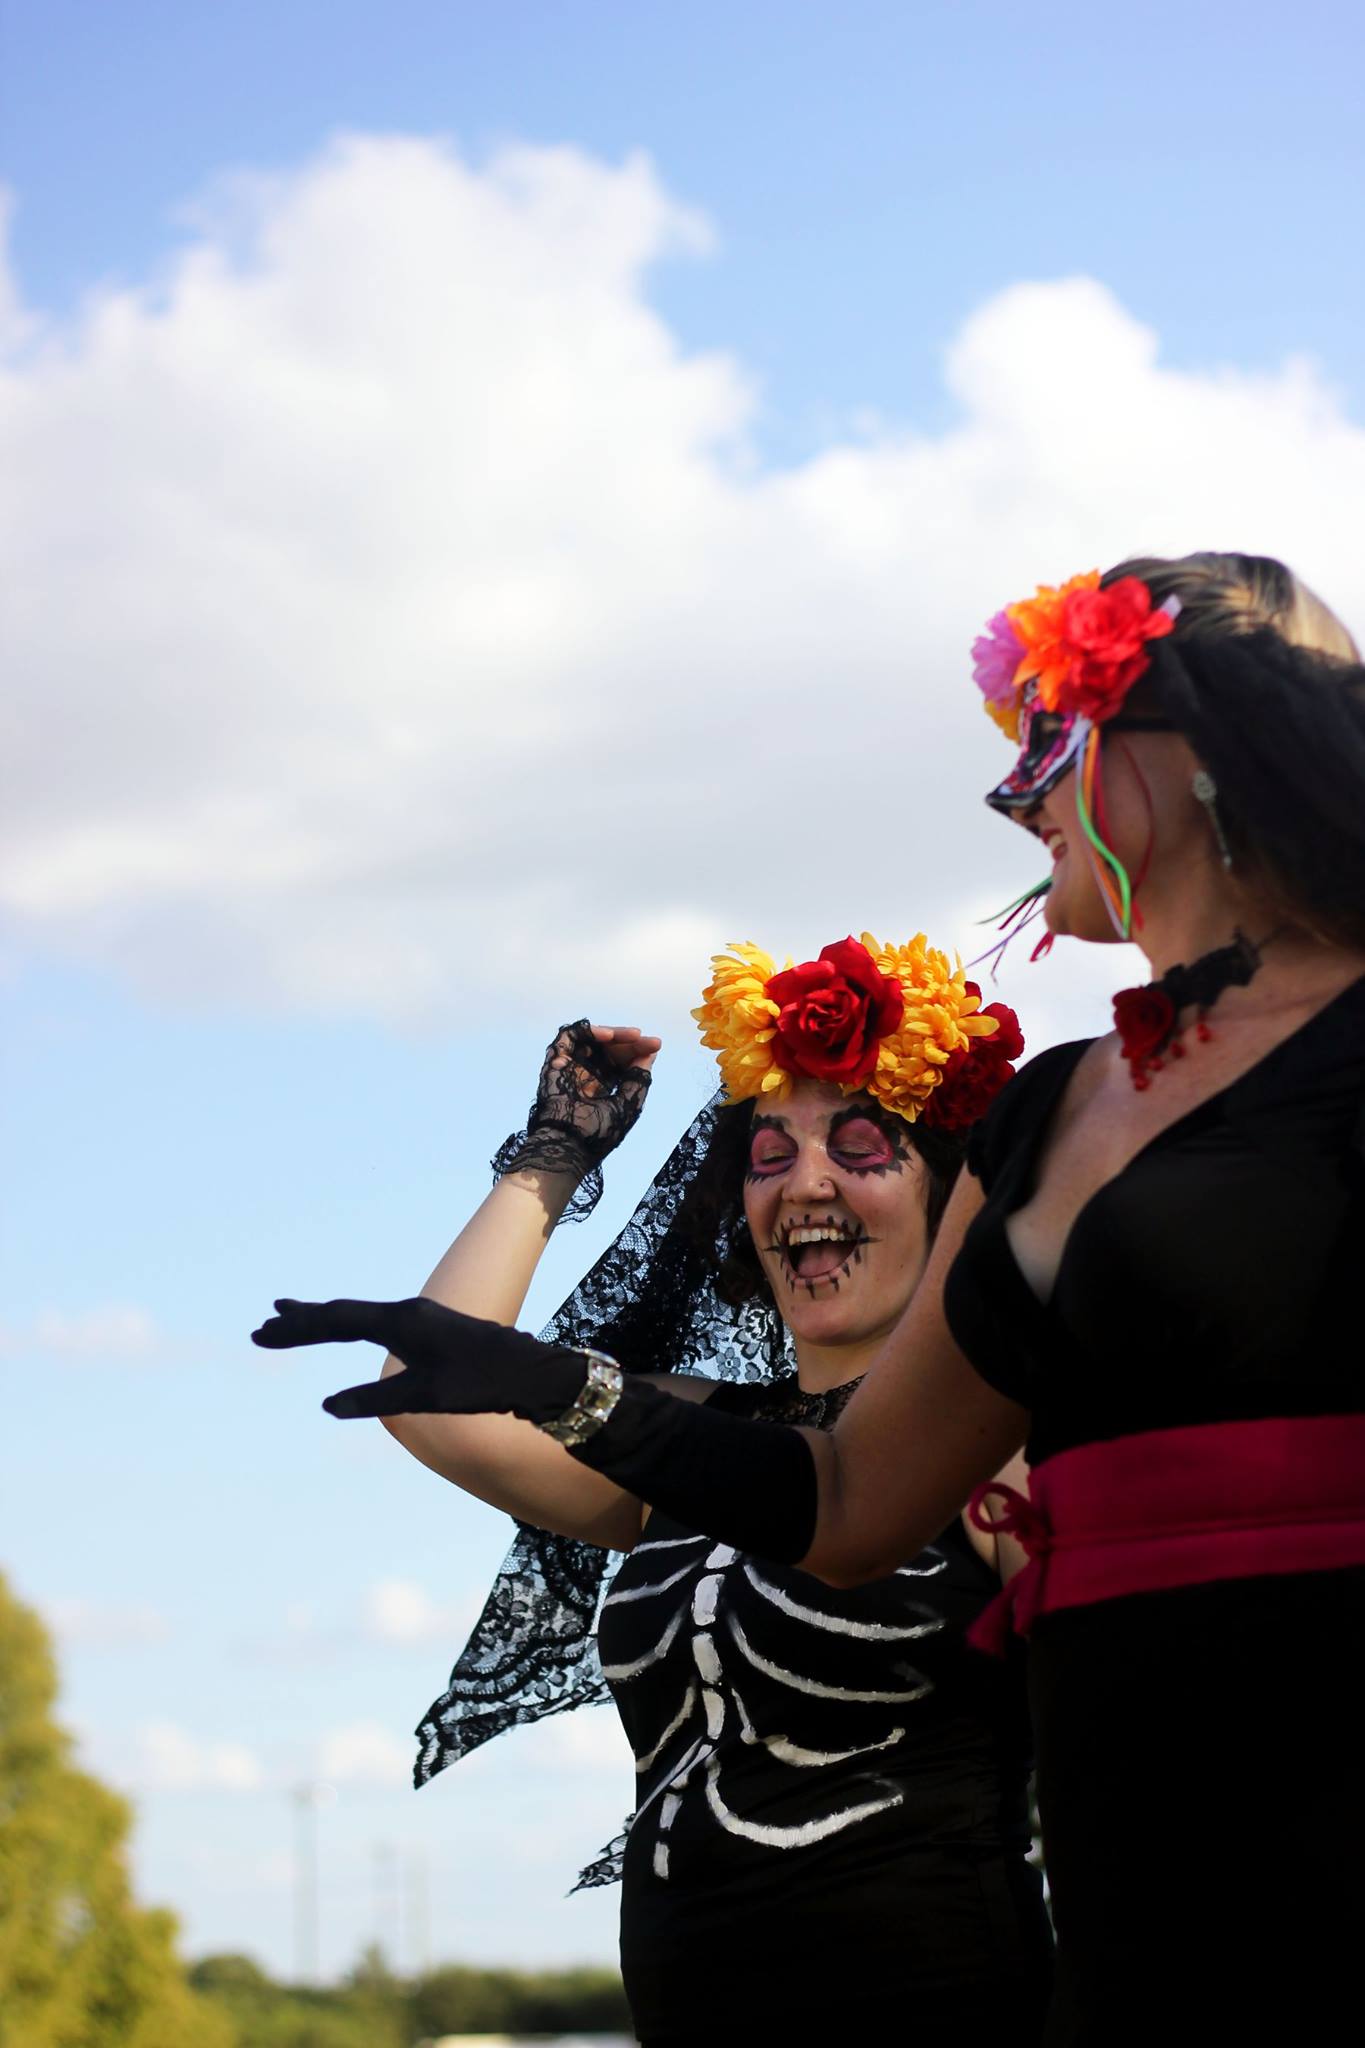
{"points": [[586, 1103], [750, 1484]]}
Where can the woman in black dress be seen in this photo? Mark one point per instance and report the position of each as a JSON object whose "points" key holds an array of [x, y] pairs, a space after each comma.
{"points": [[811, 1765], [1151, 1276]]}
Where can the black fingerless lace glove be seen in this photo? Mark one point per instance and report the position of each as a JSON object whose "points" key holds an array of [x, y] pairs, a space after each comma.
{"points": [[747, 1483], [582, 1111]]}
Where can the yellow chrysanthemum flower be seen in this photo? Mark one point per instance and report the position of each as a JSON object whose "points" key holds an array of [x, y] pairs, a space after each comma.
{"points": [[737, 1020], [941, 1017]]}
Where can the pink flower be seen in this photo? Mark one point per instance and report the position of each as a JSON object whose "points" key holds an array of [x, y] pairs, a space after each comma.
{"points": [[995, 657]]}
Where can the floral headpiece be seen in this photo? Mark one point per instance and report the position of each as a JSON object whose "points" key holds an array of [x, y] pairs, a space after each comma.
{"points": [[900, 1022], [1054, 669], [1082, 646]]}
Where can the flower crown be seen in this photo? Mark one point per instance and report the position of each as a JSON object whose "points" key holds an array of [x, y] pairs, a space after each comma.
{"points": [[1084, 647], [898, 1021]]}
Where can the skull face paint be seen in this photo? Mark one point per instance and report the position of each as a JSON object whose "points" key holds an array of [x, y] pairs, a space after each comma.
{"points": [[834, 1200]]}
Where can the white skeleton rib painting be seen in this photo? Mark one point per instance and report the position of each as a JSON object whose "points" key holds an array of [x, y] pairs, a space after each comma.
{"points": [[750, 1686]]}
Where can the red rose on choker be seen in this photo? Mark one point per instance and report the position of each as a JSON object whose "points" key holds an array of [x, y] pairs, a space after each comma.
{"points": [[833, 1012], [1144, 1019], [1104, 637]]}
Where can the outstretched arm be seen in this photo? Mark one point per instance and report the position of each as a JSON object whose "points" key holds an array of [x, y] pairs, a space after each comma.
{"points": [[849, 1506]]}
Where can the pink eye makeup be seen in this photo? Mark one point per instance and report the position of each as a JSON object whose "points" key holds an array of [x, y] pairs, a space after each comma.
{"points": [[859, 1145], [770, 1152]]}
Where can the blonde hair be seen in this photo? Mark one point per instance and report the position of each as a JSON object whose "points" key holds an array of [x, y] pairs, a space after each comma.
{"points": [[1225, 593]]}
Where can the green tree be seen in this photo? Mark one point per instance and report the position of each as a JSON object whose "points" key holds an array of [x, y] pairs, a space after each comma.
{"points": [[365, 2012], [81, 1965]]}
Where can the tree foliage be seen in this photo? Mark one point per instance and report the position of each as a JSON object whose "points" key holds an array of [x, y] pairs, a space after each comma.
{"points": [[81, 1964], [376, 2009]]}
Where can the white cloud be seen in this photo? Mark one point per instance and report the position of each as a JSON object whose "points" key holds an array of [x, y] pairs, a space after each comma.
{"points": [[364, 1753], [85, 1624], [115, 1331], [400, 1611], [413, 628], [587, 1742], [163, 1757]]}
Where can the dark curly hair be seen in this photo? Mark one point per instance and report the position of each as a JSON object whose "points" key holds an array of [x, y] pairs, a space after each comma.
{"points": [[1267, 686]]}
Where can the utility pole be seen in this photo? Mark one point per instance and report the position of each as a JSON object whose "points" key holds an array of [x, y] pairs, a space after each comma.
{"points": [[387, 1909], [307, 1798], [419, 1913]]}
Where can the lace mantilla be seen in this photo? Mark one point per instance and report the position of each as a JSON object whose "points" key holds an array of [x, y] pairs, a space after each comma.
{"points": [[651, 1302]]}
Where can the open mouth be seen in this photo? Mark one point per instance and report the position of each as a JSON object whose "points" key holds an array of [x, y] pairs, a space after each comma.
{"points": [[819, 1254]]}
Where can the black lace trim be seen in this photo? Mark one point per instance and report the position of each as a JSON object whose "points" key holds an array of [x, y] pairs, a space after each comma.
{"points": [[552, 1152], [787, 1401], [585, 1105]]}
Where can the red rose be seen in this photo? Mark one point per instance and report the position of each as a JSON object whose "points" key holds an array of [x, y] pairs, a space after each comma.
{"points": [[1105, 635], [833, 1011], [1144, 1019], [977, 1072], [1008, 1042]]}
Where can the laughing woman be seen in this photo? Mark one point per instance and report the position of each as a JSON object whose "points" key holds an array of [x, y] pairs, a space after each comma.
{"points": [[830, 1829]]}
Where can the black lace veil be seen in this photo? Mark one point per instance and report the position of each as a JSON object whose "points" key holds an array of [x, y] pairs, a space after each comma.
{"points": [[676, 1291]]}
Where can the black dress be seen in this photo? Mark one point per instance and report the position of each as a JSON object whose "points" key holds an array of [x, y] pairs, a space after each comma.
{"points": [[1201, 1752], [831, 1825]]}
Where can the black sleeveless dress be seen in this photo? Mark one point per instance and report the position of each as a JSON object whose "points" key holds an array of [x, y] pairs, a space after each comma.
{"points": [[831, 1825], [1201, 1753]]}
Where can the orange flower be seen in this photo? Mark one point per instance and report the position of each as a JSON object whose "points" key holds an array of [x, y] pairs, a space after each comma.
{"points": [[1038, 620]]}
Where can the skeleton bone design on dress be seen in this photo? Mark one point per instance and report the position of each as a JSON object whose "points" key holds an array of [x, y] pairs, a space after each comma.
{"points": [[769, 1710], [749, 1656]]}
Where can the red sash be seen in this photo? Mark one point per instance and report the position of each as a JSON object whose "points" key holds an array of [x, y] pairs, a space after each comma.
{"points": [[1177, 1507]]}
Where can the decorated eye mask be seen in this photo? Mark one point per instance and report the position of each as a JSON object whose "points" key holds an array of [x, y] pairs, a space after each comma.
{"points": [[1055, 670], [1050, 742]]}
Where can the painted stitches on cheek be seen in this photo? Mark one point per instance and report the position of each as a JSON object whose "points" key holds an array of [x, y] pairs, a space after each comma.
{"points": [[861, 1142]]}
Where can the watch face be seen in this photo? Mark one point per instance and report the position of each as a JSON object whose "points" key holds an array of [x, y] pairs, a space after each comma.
{"points": [[1050, 742]]}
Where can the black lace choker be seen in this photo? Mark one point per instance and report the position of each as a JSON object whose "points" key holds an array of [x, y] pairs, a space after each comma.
{"points": [[1147, 1019], [787, 1401]]}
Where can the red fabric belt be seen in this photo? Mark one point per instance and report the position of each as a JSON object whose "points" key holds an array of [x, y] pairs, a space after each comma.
{"points": [[1177, 1507]]}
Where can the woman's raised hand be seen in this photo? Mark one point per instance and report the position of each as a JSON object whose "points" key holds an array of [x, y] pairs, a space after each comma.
{"points": [[592, 1087]]}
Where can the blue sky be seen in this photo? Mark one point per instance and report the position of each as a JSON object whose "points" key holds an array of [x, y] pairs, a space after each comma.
{"points": [[466, 575], [873, 171]]}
